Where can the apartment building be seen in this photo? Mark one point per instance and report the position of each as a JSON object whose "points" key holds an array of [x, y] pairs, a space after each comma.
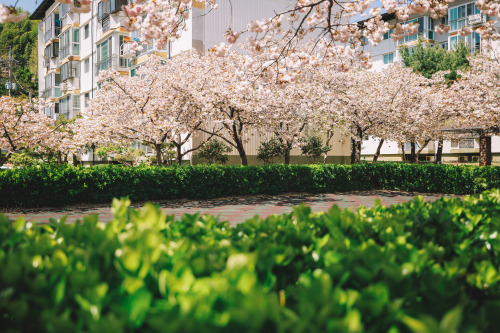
{"points": [[461, 13]]}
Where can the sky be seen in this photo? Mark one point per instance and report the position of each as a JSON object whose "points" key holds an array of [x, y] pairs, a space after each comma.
{"points": [[28, 5]]}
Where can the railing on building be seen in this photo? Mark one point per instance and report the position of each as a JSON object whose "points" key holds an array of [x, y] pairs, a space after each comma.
{"points": [[52, 92], [51, 34], [114, 62], [470, 20], [72, 49]]}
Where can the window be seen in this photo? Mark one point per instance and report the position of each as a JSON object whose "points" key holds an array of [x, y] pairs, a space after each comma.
{"points": [[87, 97], [420, 31], [388, 58], [63, 10], [69, 70], [387, 35], [69, 43], [51, 51], [86, 31], [458, 15], [444, 45], [65, 106], [104, 8], [86, 65], [104, 53], [76, 104]]}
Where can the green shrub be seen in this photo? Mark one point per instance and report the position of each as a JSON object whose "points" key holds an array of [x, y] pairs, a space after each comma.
{"points": [[215, 151], [271, 149], [63, 185], [313, 148], [413, 267]]}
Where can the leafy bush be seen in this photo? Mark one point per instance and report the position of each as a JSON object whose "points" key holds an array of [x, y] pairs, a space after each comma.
{"points": [[313, 147], [215, 151], [270, 149], [63, 185], [23, 159], [413, 267]]}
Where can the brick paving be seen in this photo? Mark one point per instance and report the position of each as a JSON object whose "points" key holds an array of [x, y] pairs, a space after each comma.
{"points": [[234, 210]]}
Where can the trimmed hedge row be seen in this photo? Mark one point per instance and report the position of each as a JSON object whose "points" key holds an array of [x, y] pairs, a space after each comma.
{"points": [[57, 186], [413, 267]]}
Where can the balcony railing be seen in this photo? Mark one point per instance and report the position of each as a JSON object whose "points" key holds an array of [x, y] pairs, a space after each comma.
{"points": [[52, 92], [48, 35], [470, 20], [72, 49], [114, 62]]}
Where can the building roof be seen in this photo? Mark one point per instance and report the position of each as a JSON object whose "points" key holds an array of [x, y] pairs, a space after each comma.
{"points": [[39, 13]]}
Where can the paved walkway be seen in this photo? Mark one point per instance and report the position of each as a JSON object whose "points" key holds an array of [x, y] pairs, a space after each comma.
{"points": [[235, 210]]}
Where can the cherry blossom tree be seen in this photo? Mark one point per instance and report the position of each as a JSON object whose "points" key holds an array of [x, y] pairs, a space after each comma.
{"points": [[23, 126], [233, 105], [147, 108], [476, 98]]}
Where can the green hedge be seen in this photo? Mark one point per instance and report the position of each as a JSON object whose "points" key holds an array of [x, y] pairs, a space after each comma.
{"points": [[56, 186], [413, 267]]}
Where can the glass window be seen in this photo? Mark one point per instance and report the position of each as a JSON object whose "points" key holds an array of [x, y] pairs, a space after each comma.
{"points": [[388, 58], [387, 35], [86, 31], [86, 65], [87, 97]]}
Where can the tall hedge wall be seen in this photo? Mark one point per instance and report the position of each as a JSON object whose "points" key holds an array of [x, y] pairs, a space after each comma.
{"points": [[56, 186]]}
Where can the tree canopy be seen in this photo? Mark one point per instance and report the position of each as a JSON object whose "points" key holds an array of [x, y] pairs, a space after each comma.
{"points": [[428, 60], [23, 38]]}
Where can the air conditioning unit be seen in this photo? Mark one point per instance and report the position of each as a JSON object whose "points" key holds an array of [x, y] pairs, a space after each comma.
{"points": [[64, 86], [475, 19]]}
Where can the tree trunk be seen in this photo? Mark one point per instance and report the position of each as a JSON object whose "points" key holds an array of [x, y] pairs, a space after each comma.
{"points": [[356, 151], [179, 154], [59, 158], [422, 148], [403, 152], [241, 149], [159, 159], [329, 136], [412, 152], [75, 160], [287, 156], [4, 158], [379, 148], [439, 153], [485, 156]]}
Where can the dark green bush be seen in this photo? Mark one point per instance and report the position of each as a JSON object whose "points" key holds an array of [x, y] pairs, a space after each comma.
{"points": [[62, 185], [413, 267]]}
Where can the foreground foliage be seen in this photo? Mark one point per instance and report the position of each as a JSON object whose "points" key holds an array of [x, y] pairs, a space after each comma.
{"points": [[62, 185], [413, 267]]}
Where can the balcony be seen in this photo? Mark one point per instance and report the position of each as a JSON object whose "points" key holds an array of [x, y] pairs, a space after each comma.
{"points": [[127, 52], [51, 34], [115, 62], [69, 50], [70, 19], [52, 92], [70, 85]]}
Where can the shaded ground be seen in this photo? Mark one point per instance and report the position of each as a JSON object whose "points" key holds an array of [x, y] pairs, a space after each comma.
{"points": [[235, 210]]}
